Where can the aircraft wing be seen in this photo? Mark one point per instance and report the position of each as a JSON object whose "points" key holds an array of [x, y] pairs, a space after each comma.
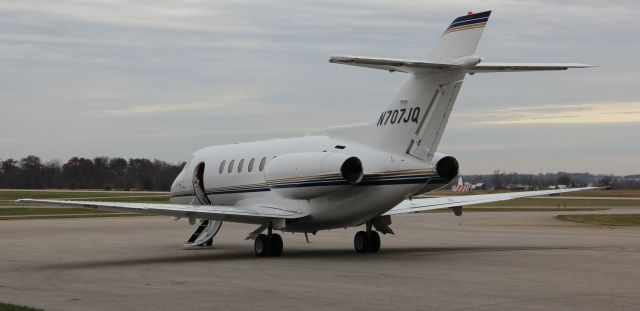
{"points": [[246, 214], [425, 204], [514, 67]]}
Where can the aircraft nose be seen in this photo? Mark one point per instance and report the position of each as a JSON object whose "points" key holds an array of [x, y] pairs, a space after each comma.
{"points": [[177, 185]]}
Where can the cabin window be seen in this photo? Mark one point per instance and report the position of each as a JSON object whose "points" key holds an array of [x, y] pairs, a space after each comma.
{"points": [[240, 165], [250, 168], [231, 166], [221, 169], [262, 162]]}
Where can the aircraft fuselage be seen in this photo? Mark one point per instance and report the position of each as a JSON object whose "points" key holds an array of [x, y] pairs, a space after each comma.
{"points": [[233, 175]]}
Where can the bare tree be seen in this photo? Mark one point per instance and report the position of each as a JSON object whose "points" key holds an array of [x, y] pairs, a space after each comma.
{"points": [[564, 179], [498, 179]]}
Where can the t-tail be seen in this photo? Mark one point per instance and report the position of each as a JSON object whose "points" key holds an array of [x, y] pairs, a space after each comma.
{"points": [[414, 121]]}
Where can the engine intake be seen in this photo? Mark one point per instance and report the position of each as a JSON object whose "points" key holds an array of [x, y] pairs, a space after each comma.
{"points": [[312, 174]]}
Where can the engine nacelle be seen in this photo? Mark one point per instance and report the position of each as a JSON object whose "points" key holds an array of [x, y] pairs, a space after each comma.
{"points": [[312, 174], [447, 167]]}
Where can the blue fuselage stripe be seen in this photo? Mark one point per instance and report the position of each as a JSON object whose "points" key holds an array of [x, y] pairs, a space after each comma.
{"points": [[390, 181], [239, 191], [375, 182]]}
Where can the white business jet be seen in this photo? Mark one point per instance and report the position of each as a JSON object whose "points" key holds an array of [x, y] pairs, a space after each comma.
{"points": [[360, 174]]}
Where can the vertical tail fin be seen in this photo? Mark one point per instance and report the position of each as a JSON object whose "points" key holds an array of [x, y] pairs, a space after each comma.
{"points": [[461, 38], [415, 119]]}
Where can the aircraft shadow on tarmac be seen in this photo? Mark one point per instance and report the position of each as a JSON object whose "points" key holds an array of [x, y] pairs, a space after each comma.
{"points": [[242, 254]]}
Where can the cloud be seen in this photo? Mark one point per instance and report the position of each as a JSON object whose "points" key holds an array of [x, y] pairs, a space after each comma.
{"points": [[107, 76], [593, 113], [185, 15], [163, 108]]}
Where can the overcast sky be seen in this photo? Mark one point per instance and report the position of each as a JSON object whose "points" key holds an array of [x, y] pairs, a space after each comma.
{"points": [[161, 79]]}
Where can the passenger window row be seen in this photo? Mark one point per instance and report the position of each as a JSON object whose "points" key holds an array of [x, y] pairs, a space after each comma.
{"points": [[223, 164]]}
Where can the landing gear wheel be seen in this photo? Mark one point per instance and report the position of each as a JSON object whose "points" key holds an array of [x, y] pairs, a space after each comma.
{"points": [[361, 242], [365, 242], [374, 242], [276, 245], [266, 246], [262, 246]]}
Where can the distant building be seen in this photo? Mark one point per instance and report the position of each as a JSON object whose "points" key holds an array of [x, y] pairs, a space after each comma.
{"points": [[461, 186], [518, 187], [479, 186], [557, 187]]}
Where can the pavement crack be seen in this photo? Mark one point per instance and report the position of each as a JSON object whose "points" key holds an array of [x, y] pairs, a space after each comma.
{"points": [[10, 287]]}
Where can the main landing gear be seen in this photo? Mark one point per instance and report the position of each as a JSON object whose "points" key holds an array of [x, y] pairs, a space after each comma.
{"points": [[267, 245], [367, 241]]}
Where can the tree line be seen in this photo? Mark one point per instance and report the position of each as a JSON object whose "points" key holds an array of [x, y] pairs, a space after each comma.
{"points": [[517, 181], [143, 174], [82, 173]]}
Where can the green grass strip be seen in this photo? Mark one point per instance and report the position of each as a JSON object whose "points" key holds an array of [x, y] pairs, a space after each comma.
{"points": [[70, 216], [578, 203], [8, 197], [604, 219], [26, 211], [56, 212], [11, 307], [520, 209]]}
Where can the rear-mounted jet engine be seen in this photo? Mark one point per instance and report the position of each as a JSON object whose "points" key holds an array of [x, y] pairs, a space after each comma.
{"points": [[312, 174]]}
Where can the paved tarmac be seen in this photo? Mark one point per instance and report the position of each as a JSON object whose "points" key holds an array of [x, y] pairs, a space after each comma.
{"points": [[436, 261]]}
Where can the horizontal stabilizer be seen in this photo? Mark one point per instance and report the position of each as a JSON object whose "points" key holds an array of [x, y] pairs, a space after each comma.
{"points": [[514, 67], [392, 64], [472, 64]]}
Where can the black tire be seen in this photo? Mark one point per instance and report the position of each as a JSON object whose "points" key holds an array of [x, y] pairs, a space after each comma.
{"points": [[374, 242], [262, 246], [361, 242], [276, 245]]}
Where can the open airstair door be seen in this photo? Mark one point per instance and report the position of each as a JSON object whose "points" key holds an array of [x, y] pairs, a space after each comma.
{"points": [[203, 236], [198, 185]]}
